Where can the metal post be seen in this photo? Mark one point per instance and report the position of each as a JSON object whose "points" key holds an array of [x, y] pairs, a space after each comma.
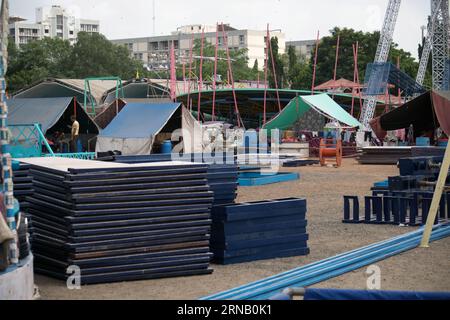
{"points": [[216, 52], [315, 64]]}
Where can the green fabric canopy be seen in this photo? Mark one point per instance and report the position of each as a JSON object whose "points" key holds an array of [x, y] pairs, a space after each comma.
{"points": [[321, 103], [290, 114]]}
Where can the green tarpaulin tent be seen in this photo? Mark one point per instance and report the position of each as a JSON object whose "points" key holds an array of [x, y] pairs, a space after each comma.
{"points": [[321, 103]]}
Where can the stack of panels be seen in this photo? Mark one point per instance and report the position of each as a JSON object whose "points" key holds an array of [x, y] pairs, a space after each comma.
{"points": [[23, 185], [383, 155], [222, 178], [223, 181], [259, 230], [427, 151], [120, 222]]}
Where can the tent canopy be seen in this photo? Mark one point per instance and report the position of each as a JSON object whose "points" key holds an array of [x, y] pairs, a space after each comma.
{"points": [[425, 113], [321, 103], [140, 120], [134, 129], [49, 113]]}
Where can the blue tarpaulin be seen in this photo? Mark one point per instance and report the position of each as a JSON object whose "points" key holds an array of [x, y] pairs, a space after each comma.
{"points": [[45, 111], [134, 129], [332, 294]]}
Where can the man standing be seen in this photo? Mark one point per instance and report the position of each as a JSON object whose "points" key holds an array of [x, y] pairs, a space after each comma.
{"points": [[75, 133]]}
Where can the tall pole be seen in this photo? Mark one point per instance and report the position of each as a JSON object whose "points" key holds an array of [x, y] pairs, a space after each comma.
{"points": [[274, 70], [266, 81], [8, 186], [200, 83], [191, 49], [216, 53], [337, 58], [173, 74], [230, 70], [336, 62], [315, 64], [354, 79]]}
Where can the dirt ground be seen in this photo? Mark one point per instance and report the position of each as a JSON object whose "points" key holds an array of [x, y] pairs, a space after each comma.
{"points": [[419, 269]]}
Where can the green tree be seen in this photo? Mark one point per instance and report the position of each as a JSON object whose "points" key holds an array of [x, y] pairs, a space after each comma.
{"points": [[368, 43], [279, 65], [92, 56], [37, 60], [95, 56], [239, 63]]}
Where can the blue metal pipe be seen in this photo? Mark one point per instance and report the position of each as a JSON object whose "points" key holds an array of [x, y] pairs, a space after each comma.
{"points": [[333, 259], [317, 278], [403, 246], [322, 263], [327, 263]]}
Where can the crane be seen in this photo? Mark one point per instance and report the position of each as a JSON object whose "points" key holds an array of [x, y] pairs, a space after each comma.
{"points": [[382, 54], [441, 42], [437, 43], [427, 45]]}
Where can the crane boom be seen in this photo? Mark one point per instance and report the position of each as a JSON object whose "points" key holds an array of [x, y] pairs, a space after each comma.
{"points": [[427, 46], [384, 46]]}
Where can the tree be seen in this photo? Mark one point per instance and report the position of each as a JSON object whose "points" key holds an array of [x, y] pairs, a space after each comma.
{"points": [[95, 56], [239, 63], [368, 43], [37, 60], [279, 65], [92, 56]]}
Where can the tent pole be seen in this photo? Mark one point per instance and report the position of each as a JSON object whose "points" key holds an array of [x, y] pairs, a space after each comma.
{"points": [[336, 61], [225, 41], [184, 77], [215, 73], [315, 64], [266, 81], [200, 83], [190, 72], [357, 77], [173, 74], [354, 80], [274, 70]]}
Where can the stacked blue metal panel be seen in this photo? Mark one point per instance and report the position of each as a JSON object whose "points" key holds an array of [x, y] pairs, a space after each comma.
{"points": [[259, 230], [121, 223]]}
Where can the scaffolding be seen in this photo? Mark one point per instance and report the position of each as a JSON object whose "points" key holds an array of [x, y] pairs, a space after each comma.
{"points": [[440, 42], [381, 75], [446, 84], [384, 46]]}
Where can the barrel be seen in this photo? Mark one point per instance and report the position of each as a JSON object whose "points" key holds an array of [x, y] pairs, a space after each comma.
{"points": [[166, 147]]}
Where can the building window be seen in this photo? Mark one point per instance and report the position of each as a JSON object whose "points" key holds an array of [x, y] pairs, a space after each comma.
{"points": [[71, 32], [220, 41], [46, 31], [241, 40]]}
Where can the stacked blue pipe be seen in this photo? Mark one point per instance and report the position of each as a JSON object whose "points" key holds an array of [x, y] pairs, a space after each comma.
{"points": [[329, 268], [259, 230]]}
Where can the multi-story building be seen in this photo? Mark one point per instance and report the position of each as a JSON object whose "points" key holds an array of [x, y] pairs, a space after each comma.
{"points": [[52, 22], [304, 48], [155, 51]]}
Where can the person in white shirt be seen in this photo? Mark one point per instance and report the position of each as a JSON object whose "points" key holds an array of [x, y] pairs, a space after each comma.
{"points": [[75, 133]]}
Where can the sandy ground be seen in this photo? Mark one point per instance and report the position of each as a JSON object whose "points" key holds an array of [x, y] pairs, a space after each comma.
{"points": [[420, 269]]}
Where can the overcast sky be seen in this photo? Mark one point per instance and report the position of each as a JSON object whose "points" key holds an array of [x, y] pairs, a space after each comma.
{"points": [[299, 19]]}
